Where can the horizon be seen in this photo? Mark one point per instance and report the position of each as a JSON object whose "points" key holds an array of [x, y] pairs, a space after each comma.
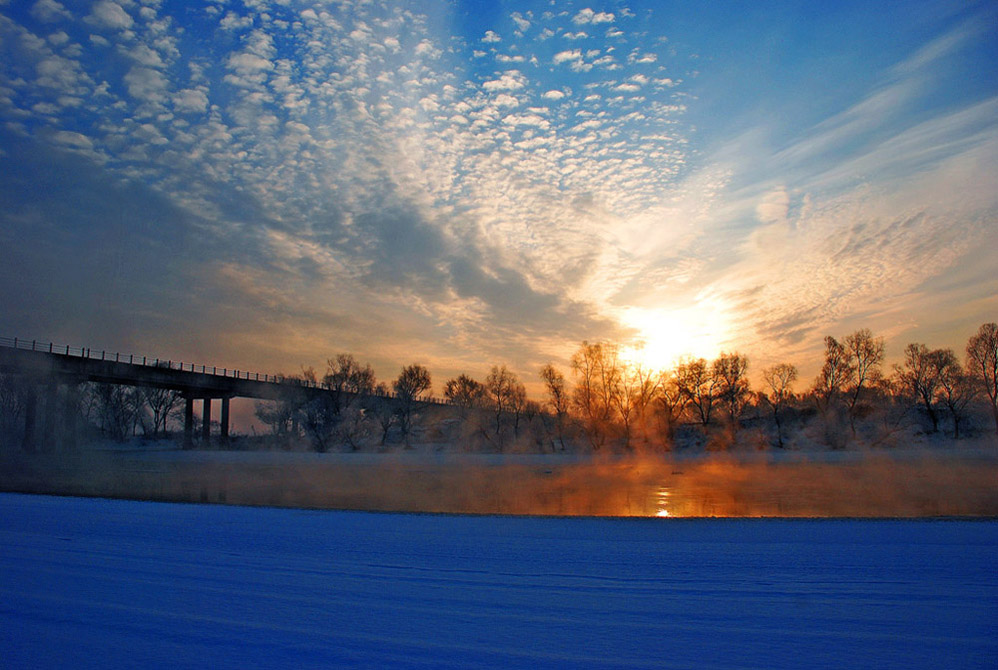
{"points": [[473, 184]]}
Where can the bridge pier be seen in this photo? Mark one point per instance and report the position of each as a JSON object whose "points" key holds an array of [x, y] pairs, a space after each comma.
{"points": [[188, 422], [225, 421], [205, 422], [30, 411]]}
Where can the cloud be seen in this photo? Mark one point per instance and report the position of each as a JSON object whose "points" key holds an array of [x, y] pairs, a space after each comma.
{"points": [[491, 37], [510, 80], [190, 100], [553, 94], [566, 56], [109, 14], [50, 11], [589, 16], [773, 206]]}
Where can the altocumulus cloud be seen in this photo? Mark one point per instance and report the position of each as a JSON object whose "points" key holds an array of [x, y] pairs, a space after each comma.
{"points": [[359, 176]]}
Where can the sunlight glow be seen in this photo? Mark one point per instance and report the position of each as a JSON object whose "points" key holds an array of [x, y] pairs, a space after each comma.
{"points": [[667, 335]]}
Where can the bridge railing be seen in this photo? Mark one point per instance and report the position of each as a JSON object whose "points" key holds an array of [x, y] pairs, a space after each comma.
{"points": [[202, 368], [148, 361]]}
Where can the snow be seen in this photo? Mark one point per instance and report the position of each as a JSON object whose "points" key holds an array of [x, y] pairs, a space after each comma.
{"points": [[105, 583]]}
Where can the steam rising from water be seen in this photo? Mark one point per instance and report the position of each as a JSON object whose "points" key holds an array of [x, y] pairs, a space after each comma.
{"points": [[857, 486]]}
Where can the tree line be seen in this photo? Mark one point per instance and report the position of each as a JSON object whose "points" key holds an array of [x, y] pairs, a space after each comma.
{"points": [[601, 402]]}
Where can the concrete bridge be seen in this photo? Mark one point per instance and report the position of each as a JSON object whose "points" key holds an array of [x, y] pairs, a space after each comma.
{"points": [[49, 367]]}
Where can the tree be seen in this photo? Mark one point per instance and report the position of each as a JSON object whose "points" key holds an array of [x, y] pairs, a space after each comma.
{"points": [[698, 385], [384, 410], [956, 389], [505, 396], [598, 371], [412, 383], [920, 374], [982, 363], [348, 380], [834, 376], [162, 403], [117, 409], [780, 379], [671, 402], [866, 354], [557, 400], [732, 384], [464, 392]]}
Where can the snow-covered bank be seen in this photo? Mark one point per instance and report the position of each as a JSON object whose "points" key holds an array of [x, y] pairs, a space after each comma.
{"points": [[99, 583]]}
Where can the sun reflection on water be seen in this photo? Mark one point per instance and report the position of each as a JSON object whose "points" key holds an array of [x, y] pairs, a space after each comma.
{"points": [[663, 503]]}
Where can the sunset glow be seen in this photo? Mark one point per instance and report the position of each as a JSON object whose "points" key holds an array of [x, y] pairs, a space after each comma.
{"points": [[471, 183]]}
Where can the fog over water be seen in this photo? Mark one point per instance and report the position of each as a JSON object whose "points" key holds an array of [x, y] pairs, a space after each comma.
{"points": [[851, 484]]}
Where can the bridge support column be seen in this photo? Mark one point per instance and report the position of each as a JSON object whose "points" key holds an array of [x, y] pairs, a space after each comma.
{"points": [[206, 421], [188, 422], [71, 416], [50, 425], [225, 421], [30, 410]]}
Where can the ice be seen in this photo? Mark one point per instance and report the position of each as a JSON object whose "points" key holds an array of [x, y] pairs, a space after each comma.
{"points": [[102, 583]]}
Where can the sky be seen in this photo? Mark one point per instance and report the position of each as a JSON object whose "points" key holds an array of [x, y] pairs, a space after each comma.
{"points": [[263, 185]]}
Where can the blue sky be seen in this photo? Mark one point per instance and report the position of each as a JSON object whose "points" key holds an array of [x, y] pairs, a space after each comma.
{"points": [[462, 184]]}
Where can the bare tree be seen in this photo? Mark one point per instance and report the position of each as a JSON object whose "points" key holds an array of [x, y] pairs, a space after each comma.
{"points": [[506, 396], [412, 383], [982, 363], [465, 393], [384, 410], [598, 371], [956, 388], [732, 384], [348, 380], [557, 399], [698, 385], [866, 354], [780, 379], [920, 374], [834, 376], [162, 403], [671, 402], [117, 409]]}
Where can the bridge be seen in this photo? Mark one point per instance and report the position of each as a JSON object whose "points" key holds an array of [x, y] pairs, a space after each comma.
{"points": [[51, 367]]}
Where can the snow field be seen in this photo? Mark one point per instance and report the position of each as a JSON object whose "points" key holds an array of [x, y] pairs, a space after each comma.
{"points": [[102, 583]]}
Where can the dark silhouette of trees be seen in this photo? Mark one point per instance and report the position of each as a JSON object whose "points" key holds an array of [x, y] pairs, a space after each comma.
{"points": [[557, 400], [865, 355], [982, 363], [412, 383], [732, 386], [956, 388], [697, 384], [465, 393], [597, 368], [920, 373], [779, 379]]}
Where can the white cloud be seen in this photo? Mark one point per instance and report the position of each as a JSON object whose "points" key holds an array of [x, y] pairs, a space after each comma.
{"points": [[554, 95], [190, 100], [109, 14], [75, 140], [146, 84], [233, 21], [505, 100], [568, 55], [491, 37], [773, 206], [576, 36], [521, 23], [49, 11], [509, 81], [589, 16]]}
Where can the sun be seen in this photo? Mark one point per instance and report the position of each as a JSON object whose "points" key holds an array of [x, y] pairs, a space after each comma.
{"points": [[665, 336]]}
